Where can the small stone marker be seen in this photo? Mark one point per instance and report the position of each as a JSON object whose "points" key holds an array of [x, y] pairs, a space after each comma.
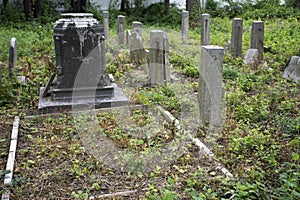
{"points": [[12, 54], [210, 92], [205, 29], [293, 69], [185, 25], [257, 38], [137, 51], [251, 57], [105, 16], [128, 37], [237, 36], [137, 26], [121, 29], [159, 58]]}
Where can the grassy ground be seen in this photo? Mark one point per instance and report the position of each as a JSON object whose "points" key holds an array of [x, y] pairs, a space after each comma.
{"points": [[259, 143]]}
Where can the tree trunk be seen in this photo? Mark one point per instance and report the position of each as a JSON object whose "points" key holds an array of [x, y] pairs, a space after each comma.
{"points": [[123, 4], [167, 5], [5, 2], [193, 6], [27, 6], [37, 8], [78, 5]]}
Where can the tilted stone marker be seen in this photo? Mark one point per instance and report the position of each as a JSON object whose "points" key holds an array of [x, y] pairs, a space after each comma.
{"points": [[185, 25], [12, 54], [205, 29], [159, 70], [237, 36], [81, 78], [293, 69], [128, 37], [257, 38], [210, 93], [137, 51], [251, 57], [137, 26], [121, 29], [105, 17]]}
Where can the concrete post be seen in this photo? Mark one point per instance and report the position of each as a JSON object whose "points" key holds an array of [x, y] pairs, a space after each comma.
{"points": [[105, 16], [159, 58], [121, 29], [257, 38], [205, 29], [137, 26], [237, 36], [210, 85], [185, 25], [12, 54]]}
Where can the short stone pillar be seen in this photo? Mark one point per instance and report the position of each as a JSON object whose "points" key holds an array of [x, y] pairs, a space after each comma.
{"points": [[121, 29], [185, 25], [137, 27], [81, 78], [12, 55], [237, 36], [293, 69], [137, 51], [205, 29], [105, 18], [257, 38], [210, 93], [159, 70]]}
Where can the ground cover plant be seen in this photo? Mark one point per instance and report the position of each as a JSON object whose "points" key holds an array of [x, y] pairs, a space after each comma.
{"points": [[259, 143]]}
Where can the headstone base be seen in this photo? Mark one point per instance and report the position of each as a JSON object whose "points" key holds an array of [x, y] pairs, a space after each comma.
{"points": [[48, 105]]}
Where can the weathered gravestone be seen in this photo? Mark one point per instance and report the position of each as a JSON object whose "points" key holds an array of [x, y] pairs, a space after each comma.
{"points": [[293, 69], [251, 57], [185, 25], [159, 70], [138, 54], [257, 38], [205, 29], [12, 54], [121, 29], [210, 93], [105, 16], [237, 36], [81, 78], [137, 27]]}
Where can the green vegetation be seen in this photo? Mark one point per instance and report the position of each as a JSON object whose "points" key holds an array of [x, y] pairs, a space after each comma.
{"points": [[259, 143]]}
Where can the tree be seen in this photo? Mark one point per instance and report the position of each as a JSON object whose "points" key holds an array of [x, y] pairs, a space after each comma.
{"points": [[167, 5], [78, 5], [194, 7]]}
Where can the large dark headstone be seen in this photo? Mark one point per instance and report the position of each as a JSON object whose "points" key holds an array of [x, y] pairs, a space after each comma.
{"points": [[81, 68]]}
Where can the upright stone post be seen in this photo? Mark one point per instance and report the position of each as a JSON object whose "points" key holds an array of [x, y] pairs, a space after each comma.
{"points": [[137, 27], [237, 36], [12, 54], [205, 29], [105, 17], [210, 85], [257, 38], [185, 25], [121, 29], [159, 58]]}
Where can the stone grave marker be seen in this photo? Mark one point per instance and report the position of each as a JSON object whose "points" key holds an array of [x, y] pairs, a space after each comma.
{"points": [[121, 29], [137, 51], [205, 29], [257, 38], [293, 69], [251, 57], [128, 37], [81, 78], [185, 25], [210, 92], [159, 70], [12, 54], [137, 26], [105, 17], [237, 36]]}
